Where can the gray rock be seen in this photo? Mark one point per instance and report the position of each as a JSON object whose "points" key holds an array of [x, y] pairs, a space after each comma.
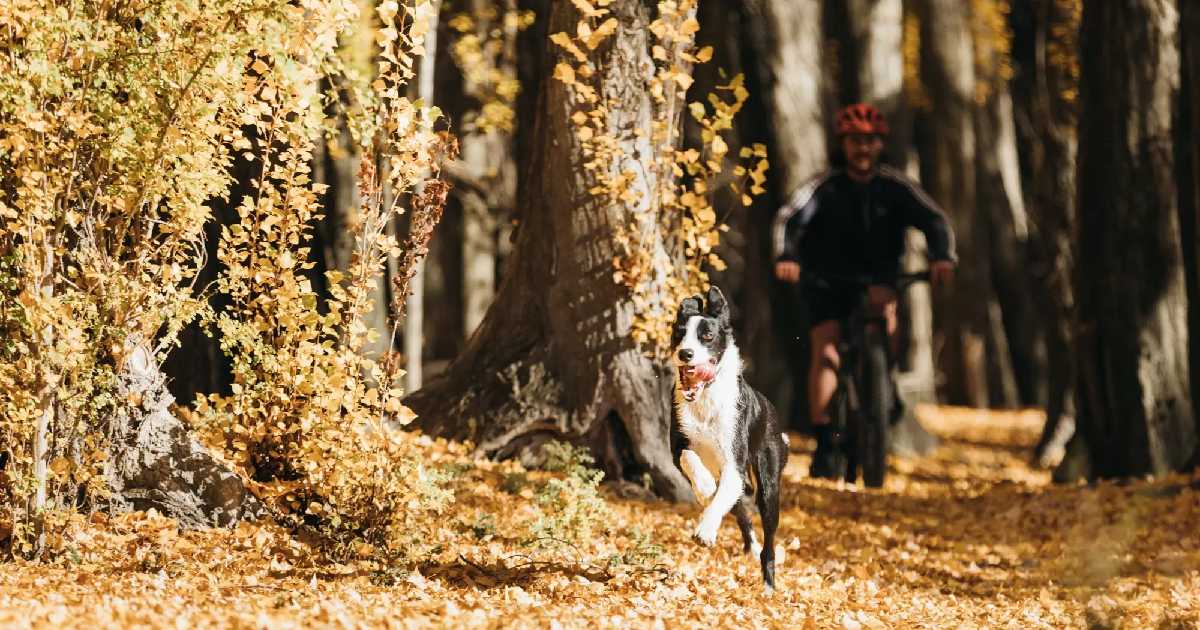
{"points": [[156, 463]]}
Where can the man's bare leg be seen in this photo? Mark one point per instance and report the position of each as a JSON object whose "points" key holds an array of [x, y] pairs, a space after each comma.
{"points": [[822, 384]]}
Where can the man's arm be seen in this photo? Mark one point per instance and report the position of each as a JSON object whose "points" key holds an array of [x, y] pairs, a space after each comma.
{"points": [[923, 213], [791, 221]]}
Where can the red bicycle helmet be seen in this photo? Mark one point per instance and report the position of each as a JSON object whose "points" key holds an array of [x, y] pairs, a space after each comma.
{"points": [[861, 118]]}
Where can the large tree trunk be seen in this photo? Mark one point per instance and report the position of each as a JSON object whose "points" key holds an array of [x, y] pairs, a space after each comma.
{"points": [[876, 34], [787, 41], [1134, 401], [554, 357], [1044, 44], [1187, 141], [948, 170]]}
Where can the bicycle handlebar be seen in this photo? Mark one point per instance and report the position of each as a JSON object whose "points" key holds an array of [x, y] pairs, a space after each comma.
{"points": [[901, 280]]}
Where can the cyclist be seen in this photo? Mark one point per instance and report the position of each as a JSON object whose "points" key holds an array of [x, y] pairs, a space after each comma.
{"points": [[851, 221]]}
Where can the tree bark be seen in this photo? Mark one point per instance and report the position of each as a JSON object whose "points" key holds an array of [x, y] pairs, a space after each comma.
{"points": [[1018, 354], [1044, 45], [1187, 142], [948, 158], [554, 357], [787, 40], [1134, 399], [875, 50]]}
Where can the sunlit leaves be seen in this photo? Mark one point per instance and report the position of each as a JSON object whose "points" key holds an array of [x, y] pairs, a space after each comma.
{"points": [[680, 206], [118, 127], [484, 48]]}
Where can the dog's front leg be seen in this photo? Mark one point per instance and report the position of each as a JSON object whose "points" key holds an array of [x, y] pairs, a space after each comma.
{"points": [[703, 483], [729, 490]]}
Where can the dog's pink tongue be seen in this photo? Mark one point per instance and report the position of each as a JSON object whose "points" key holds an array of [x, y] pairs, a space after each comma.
{"points": [[705, 373]]}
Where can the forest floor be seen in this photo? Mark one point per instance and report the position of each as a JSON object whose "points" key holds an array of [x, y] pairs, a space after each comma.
{"points": [[969, 536]]}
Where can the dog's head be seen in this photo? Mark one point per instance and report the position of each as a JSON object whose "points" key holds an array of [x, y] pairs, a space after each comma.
{"points": [[702, 334]]}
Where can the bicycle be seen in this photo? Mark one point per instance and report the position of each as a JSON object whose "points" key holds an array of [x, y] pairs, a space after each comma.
{"points": [[862, 405]]}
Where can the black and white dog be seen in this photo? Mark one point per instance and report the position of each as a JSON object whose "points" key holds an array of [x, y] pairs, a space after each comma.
{"points": [[725, 435]]}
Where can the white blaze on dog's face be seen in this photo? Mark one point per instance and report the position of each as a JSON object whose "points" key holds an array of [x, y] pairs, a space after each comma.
{"points": [[700, 339]]}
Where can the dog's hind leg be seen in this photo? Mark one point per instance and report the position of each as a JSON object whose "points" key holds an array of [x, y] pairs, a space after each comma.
{"points": [[741, 511], [703, 483], [768, 471]]}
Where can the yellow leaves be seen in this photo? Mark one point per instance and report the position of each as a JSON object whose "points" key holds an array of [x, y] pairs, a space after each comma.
{"points": [[387, 10], [587, 9], [704, 54], [606, 29], [565, 42], [259, 67], [565, 73], [718, 146]]}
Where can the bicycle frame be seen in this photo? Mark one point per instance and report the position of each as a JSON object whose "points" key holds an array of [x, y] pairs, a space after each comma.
{"points": [[856, 330]]}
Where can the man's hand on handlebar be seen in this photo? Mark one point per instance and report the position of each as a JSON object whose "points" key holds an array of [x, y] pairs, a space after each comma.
{"points": [[787, 271], [941, 273]]}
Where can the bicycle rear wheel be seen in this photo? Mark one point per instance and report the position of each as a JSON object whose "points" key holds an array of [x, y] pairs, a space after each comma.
{"points": [[876, 388]]}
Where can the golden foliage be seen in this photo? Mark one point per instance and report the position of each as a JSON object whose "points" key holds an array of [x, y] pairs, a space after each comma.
{"points": [[992, 39], [915, 92], [1062, 47], [676, 220], [968, 537], [485, 51], [119, 123], [312, 420]]}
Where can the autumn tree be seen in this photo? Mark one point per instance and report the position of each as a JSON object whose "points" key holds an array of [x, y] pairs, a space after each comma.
{"points": [[1135, 410], [1045, 91], [573, 345], [1016, 350], [1187, 145], [785, 40], [974, 354]]}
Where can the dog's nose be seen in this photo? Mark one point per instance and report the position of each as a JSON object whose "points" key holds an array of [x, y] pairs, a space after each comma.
{"points": [[685, 355]]}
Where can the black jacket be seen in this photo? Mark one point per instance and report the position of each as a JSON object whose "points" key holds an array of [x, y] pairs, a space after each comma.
{"points": [[835, 224]]}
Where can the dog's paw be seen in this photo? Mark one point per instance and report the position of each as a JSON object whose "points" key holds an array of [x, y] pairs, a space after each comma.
{"points": [[705, 534]]}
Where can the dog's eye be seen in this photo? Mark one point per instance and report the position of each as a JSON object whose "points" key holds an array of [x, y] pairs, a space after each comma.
{"points": [[706, 337]]}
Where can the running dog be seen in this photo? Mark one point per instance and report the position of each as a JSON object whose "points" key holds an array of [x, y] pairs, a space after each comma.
{"points": [[725, 435]]}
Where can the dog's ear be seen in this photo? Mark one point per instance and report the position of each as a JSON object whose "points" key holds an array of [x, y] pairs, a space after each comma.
{"points": [[718, 307], [689, 307]]}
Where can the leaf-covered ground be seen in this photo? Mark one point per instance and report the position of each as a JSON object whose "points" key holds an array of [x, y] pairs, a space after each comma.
{"points": [[968, 537]]}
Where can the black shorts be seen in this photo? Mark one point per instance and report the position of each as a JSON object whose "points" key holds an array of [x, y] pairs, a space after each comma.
{"points": [[823, 302], [828, 302]]}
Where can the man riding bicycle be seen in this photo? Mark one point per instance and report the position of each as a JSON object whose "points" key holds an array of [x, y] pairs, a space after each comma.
{"points": [[851, 221]]}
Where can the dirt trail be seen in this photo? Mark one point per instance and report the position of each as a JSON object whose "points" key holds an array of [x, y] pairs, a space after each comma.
{"points": [[967, 537]]}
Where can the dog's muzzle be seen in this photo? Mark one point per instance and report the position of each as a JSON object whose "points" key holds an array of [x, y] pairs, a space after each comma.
{"points": [[694, 378]]}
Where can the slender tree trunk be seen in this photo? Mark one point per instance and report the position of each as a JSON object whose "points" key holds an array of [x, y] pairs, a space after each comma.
{"points": [[948, 158], [414, 313], [485, 174], [787, 40], [1017, 356], [48, 402], [875, 49], [1044, 47], [554, 357], [1134, 399]]}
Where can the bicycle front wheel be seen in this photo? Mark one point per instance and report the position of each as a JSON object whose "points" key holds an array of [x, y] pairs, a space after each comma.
{"points": [[876, 389]]}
